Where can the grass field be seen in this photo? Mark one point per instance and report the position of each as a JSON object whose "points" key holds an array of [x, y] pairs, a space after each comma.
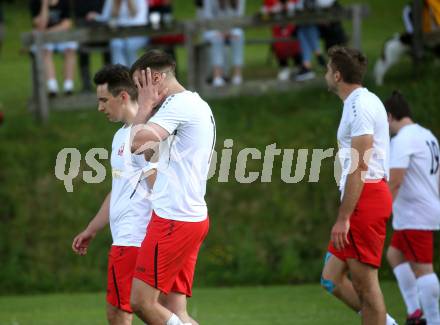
{"points": [[297, 305], [38, 218]]}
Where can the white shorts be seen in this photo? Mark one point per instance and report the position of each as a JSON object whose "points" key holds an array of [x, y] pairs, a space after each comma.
{"points": [[58, 47]]}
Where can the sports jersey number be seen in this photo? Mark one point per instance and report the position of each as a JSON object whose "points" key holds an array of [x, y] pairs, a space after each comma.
{"points": [[435, 155]]}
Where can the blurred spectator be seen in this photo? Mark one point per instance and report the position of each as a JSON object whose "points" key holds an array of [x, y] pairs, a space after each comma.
{"points": [[160, 12], [161, 16], [332, 33], [284, 50], [82, 8], [400, 44], [218, 9], [51, 16], [308, 35], [124, 13]]}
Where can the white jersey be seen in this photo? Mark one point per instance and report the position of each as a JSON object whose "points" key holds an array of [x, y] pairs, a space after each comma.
{"points": [[180, 187], [130, 206], [364, 114], [417, 205]]}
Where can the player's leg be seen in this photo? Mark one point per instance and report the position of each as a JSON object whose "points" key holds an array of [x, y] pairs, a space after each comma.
{"points": [[366, 283], [405, 276], [422, 247], [122, 261], [177, 304], [115, 316], [429, 291], [145, 304], [176, 300], [166, 250], [335, 281]]}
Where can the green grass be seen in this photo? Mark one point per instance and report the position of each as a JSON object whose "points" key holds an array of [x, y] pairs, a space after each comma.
{"points": [[306, 304]]}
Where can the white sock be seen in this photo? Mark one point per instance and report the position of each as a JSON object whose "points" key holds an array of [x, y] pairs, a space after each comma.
{"points": [[429, 292], [408, 286], [52, 85], [68, 85], [174, 320], [390, 320]]}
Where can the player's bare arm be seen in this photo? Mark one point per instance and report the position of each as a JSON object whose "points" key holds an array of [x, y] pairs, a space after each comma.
{"points": [[82, 240], [361, 146], [396, 179]]}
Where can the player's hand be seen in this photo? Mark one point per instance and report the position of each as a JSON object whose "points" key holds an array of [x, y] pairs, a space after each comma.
{"points": [[81, 242], [339, 233], [150, 93]]}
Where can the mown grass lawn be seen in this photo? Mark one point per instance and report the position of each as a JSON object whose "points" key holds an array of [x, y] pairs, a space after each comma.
{"points": [[296, 305]]}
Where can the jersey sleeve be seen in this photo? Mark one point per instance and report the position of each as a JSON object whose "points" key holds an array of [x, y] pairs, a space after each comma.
{"points": [[170, 115], [362, 119], [400, 152]]}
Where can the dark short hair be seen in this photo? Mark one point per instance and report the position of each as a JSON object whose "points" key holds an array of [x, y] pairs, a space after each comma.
{"points": [[397, 106], [155, 60], [350, 63], [117, 78]]}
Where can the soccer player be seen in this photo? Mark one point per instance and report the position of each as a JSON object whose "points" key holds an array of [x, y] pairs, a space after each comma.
{"points": [[179, 222], [358, 235], [127, 206], [414, 184]]}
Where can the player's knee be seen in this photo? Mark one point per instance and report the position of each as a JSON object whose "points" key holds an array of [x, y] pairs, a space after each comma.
{"points": [[328, 285], [111, 314], [136, 304]]}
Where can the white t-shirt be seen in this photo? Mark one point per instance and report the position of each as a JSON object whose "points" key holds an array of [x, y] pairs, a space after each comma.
{"points": [[417, 205], [180, 187], [364, 114], [130, 206]]}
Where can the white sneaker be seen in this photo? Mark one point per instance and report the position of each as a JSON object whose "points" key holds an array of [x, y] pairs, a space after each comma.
{"points": [[237, 80], [68, 86], [52, 86], [284, 74], [218, 82]]}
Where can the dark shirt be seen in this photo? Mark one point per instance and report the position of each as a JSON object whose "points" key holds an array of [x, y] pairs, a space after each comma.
{"points": [[57, 13], [82, 7]]}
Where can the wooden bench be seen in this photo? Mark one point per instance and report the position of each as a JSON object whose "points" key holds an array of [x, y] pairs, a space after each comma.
{"points": [[40, 104]]}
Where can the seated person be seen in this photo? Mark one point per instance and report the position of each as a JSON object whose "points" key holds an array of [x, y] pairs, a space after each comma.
{"points": [[51, 16], [284, 50], [124, 13], [221, 9], [161, 15], [82, 8]]}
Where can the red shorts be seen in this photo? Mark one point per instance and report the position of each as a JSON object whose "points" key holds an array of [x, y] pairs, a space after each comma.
{"points": [[121, 264], [168, 255], [367, 226], [416, 245]]}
